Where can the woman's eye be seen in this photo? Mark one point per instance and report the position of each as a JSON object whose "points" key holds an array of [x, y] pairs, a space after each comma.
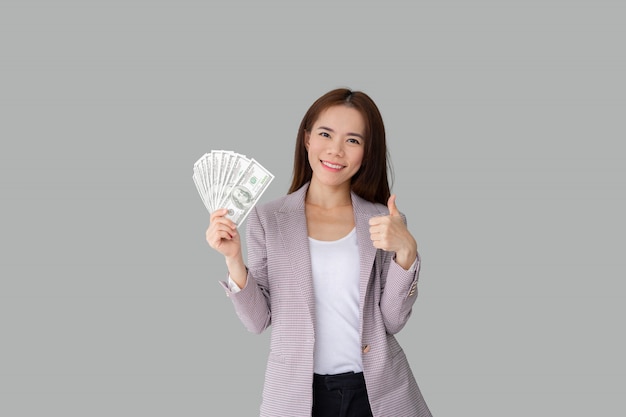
{"points": [[324, 134], [355, 141]]}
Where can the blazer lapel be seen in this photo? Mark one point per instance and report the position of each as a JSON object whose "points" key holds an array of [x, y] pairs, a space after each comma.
{"points": [[291, 221], [363, 212]]}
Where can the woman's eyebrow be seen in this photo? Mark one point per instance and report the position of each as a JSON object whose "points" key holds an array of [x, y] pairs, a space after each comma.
{"points": [[332, 131]]}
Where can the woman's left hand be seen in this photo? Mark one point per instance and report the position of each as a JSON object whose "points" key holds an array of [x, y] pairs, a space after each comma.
{"points": [[389, 233]]}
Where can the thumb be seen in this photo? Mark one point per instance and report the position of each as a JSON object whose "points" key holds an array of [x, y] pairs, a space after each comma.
{"points": [[391, 205]]}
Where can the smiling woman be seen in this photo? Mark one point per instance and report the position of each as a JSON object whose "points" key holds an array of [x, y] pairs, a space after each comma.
{"points": [[370, 182], [333, 269], [335, 146]]}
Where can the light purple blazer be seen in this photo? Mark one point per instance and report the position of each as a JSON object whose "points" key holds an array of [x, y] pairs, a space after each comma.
{"points": [[279, 291]]}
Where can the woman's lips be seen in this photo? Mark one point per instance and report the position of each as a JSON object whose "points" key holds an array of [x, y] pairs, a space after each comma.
{"points": [[331, 165]]}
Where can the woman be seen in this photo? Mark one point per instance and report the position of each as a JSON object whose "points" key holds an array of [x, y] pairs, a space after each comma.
{"points": [[333, 268]]}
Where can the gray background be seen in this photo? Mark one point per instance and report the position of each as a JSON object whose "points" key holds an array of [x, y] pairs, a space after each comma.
{"points": [[503, 120]]}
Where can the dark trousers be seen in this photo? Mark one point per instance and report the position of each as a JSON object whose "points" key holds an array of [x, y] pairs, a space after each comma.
{"points": [[341, 395]]}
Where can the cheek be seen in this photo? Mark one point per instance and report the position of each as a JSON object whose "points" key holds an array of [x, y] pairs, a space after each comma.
{"points": [[310, 157], [359, 158]]}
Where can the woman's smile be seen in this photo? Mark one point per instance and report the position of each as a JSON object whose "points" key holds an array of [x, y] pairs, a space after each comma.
{"points": [[330, 165], [335, 146]]}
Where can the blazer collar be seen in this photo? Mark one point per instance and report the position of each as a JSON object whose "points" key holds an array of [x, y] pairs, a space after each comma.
{"points": [[292, 227], [295, 202]]}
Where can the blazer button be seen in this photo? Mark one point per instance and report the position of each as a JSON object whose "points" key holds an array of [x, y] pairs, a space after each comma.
{"points": [[366, 348]]}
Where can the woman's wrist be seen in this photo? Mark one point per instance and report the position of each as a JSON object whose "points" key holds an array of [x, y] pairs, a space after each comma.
{"points": [[237, 270], [406, 256]]}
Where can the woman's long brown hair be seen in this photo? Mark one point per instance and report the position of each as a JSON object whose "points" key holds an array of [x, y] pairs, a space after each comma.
{"points": [[370, 182]]}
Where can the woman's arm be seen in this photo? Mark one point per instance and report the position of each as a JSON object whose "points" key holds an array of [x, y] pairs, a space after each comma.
{"points": [[399, 293], [400, 266], [252, 302]]}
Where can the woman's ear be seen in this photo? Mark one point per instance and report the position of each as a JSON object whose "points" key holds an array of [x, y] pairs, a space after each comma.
{"points": [[307, 138]]}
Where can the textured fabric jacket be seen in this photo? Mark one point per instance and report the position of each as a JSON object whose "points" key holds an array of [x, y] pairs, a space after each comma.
{"points": [[279, 292]]}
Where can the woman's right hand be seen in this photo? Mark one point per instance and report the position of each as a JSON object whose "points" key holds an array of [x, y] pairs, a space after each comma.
{"points": [[223, 236]]}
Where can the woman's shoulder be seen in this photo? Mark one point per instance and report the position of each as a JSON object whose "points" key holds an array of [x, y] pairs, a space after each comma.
{"points": [[370, 207], [272, 205], [289, 202], [265, 213]]}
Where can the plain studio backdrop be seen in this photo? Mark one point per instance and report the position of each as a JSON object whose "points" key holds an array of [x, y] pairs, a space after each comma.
{"points": [[503, 122]]}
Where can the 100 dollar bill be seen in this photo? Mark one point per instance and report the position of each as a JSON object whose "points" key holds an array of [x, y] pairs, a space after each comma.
{"points": [[241, 197]]}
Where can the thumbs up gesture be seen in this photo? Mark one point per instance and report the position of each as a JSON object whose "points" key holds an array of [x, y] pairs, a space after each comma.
{"points": [[390, 233]]}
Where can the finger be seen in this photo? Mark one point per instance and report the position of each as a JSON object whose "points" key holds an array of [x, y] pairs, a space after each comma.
{"points": [[224, 234], [391, 205], [218, 213], [378, 244], [223, 228], [223, 220], [377, 220], [219, 238], [217, 234], [377, 235]]}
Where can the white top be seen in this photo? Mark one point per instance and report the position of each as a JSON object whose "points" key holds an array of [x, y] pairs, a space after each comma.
{"points": [[335, 266]]}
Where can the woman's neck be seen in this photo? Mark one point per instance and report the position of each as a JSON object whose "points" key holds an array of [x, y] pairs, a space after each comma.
{"points": [[327, 196]]}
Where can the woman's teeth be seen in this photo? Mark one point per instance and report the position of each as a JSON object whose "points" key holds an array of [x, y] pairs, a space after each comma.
{"points": [[333, 166]]}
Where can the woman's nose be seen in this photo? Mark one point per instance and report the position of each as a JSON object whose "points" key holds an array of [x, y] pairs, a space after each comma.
{"points": [[335, 147]]}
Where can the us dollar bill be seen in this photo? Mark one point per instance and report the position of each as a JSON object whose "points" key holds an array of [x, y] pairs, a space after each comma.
{"points": [[238, 166], [201, 180], [246, 191]]}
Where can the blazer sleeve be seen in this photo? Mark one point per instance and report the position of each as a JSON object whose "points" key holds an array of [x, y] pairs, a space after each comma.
{"points": [[398, 292], [252, 302]]}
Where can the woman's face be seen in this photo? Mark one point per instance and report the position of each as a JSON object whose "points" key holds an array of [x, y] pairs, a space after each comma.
{"points": [[335, 145]]}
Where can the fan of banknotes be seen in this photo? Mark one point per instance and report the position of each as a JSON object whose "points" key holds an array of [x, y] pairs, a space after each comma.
{"points": [[230, 180]]}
